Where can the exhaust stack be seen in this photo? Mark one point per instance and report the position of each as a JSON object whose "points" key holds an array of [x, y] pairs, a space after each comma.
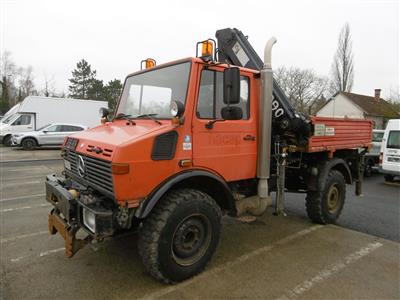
{"points": [[265, 122], [256, 205]]}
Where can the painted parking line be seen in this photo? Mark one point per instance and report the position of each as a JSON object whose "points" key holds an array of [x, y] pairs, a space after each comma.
{"points": [[239, 260], [10, 184], [23, 207], [329, 271], [22, 197], [22, 236], [41, 254]]}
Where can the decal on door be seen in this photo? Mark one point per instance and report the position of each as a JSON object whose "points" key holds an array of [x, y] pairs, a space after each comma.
{"points": [[187, 144]]}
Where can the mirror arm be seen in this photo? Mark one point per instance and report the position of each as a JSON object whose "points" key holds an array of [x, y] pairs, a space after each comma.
{"points": [[210, 124]]}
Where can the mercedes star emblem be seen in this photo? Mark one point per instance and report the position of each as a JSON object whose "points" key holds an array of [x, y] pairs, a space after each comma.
{"points": [[81, 166]]}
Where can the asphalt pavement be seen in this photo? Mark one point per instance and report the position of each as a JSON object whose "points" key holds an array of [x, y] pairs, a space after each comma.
{"points": [[273, 257]]}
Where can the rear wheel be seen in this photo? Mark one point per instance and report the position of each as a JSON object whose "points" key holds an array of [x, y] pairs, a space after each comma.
{"points": [[325, 206], [389, 178], [7, 141], [29, 144], [368, 168], [180, 236]]}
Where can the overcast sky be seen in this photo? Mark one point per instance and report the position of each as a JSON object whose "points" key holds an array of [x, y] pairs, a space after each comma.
{"points": [[114, 36]]}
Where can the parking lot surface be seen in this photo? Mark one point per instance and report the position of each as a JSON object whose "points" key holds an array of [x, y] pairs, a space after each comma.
{"points": [[8, 154], [273, 257]]}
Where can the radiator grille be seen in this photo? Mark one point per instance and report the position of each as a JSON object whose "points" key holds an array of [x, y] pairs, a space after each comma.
{"points": [[96, 172]]}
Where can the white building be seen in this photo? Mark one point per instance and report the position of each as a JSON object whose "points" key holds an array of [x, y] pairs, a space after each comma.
{"points": [[350, 105]]}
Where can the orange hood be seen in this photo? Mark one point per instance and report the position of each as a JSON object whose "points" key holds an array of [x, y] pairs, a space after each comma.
{"points": [[115, 134]]}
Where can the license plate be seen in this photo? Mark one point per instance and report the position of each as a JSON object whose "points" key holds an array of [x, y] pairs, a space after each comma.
{"points": [[67, 164]]}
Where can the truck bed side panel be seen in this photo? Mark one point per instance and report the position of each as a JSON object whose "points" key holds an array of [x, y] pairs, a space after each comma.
{"points": [[331, 134]]}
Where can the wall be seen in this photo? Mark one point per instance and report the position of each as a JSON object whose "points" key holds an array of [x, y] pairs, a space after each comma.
{"points": [[340, 107]]}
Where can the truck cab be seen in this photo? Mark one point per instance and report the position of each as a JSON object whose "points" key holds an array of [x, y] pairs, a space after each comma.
{"points": [[15, 123], [188, 142]]}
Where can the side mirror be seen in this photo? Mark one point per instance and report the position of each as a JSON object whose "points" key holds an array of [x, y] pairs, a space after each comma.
{"points": [[177, 108], [45, 131], [104, 112], [231, 91]]}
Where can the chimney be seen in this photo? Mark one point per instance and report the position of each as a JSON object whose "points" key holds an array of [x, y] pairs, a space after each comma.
{"points": [[377, 95]]}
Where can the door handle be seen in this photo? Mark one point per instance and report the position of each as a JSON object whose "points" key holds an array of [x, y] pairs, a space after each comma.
{"points": [[29, 127], [249, 137]]}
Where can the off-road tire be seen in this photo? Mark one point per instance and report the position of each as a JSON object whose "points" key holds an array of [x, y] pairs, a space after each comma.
{"points": [[158, 236], [318, 206], [28, 144], [7, 141]]}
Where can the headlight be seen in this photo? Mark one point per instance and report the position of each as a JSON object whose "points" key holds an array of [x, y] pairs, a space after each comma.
{"points": [[89, 219]]}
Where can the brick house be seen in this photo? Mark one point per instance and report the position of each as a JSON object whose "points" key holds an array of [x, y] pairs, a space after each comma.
{"points": [[351, 105]]}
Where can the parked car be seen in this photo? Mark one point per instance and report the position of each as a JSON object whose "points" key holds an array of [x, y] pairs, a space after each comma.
{"points": [[35, 112], [390, 151], [48, 135], [372, 157]]}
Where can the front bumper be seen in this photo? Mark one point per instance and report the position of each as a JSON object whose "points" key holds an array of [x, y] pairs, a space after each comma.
{"points": [[15, 141], [67, 216], [388, 172]]}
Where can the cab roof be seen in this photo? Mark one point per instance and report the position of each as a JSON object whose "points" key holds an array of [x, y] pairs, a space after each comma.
{"points": [[193, 60]]}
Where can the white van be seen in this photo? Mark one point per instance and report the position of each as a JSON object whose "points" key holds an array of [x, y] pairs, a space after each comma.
{"points": [[390, 151], [34, 112]]}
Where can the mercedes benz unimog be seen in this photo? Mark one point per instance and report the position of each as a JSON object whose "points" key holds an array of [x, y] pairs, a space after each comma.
{"points": [[192, 140]]}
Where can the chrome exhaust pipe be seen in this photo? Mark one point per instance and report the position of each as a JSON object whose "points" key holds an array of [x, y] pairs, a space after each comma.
{"points": [[265, 124]]}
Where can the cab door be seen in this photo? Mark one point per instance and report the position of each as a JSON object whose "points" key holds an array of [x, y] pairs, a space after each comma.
{"points": [[51, 135], [228, 147], [25, 122]]}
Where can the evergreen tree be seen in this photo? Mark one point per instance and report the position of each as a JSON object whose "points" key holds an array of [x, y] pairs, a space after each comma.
{"points": [[82, 80], [97, 90], [113, 91]]}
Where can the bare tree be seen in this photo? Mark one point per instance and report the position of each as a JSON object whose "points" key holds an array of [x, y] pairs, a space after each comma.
{"points": [[48, 87], [394, 99], [26, 84], [343, 63], [8, 74], [304, 88]]}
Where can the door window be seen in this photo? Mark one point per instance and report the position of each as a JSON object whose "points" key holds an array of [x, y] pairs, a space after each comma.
{"points": [[54, 128], [211, 102], [22, 120], [69, 128]]}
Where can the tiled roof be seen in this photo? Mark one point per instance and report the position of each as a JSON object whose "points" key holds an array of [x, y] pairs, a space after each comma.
{"points": [[372, 107]]}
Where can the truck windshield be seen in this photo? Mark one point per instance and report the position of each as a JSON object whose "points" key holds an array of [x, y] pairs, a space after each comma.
{"points": [[7, 119], [152, 92], [394, 139]]}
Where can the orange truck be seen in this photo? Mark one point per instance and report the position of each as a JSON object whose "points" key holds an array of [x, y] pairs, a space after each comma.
{"points": [[192, 140]]}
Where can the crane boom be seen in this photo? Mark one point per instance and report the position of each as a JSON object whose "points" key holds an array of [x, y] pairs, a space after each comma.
{"points": [[234, 48]]}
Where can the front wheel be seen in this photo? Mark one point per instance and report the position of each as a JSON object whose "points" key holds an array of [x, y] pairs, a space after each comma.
{"points": [[7, 141], [324, 207], [180, 236]]}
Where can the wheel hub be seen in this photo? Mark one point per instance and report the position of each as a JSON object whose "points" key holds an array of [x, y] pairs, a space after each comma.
{"points": [[191, 239], [333, 199]]}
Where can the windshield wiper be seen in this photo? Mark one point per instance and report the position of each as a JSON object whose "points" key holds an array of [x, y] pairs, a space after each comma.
{"points": [[149, 116], [122, 116]]}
